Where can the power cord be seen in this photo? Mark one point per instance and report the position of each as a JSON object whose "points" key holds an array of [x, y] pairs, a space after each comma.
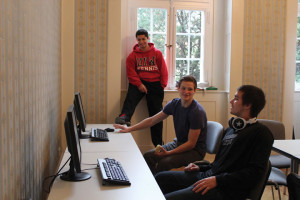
{"points": [[54, 177]]}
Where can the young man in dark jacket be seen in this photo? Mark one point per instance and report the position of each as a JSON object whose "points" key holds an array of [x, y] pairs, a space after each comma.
{"points": [[240, 162]]}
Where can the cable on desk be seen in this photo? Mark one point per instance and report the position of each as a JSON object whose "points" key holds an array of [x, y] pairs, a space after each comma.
{"points": [[97, 167], [88, 164], [54, 177], [90, 169]]}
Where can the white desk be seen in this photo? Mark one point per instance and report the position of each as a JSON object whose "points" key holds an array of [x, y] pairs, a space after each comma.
{"points": [[291, 149], [143, 185], [117, 142]]}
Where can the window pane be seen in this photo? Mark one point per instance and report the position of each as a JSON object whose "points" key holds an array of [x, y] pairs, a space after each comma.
{"points": [[143, 18], [181, 69], [159, 41], [182, 46], [298, 50], [297, 78], [195, 69], [189, 43], [159, 18], [182, 21], [298, 27], [195, 47], [195, 21], [298, 72], [297, 84]]}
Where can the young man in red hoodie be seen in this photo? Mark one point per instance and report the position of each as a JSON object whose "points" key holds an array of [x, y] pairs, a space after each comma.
{"points": [[148, 76]]}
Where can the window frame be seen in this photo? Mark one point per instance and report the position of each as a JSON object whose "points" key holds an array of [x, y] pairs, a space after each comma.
{"points": [[172, 6]]}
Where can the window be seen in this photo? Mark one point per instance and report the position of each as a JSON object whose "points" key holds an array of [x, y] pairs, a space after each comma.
{"points": [[181, 30], [297, 78], [189, 40]]}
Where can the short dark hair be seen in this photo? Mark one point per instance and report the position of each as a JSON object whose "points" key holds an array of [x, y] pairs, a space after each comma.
{"points": [[188, 78], [254, 96], [141, 32]]}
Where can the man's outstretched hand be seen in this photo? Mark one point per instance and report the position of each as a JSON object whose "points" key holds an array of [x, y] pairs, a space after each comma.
{"points": [[123, 129]]}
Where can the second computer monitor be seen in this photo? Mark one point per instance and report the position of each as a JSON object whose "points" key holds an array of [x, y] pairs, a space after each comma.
{"points": [[80, 115]]}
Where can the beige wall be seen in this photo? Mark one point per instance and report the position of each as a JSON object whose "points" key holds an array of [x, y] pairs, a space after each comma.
{"points": [[114, 48], [236, 46], [67, 59], [30, 96]]}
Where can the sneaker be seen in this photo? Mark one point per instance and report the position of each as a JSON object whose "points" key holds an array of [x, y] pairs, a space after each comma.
{"points": [[122, 120]]}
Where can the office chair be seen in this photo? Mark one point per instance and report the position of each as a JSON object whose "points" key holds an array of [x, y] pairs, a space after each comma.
{"points": [[213, 139], [278, 131], [257, 192], [276, 179], [293, 184]]}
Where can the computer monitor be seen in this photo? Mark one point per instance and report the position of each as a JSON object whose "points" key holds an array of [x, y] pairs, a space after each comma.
{"points": [[80, 116], [73, 142]]}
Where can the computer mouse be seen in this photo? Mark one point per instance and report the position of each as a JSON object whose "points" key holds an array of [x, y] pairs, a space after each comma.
{"points": [[110, 129]]}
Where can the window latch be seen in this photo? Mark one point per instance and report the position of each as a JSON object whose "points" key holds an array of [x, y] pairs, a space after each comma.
{"points": [[168, 46]]}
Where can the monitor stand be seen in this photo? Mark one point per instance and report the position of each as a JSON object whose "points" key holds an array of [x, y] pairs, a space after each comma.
{"points": [[84, 136], [73, 176], [81, 135]]}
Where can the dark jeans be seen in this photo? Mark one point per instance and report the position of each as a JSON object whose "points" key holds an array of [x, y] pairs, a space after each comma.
{"points": [[293, 183], [154, 99], [178, 185], [165, 163]]}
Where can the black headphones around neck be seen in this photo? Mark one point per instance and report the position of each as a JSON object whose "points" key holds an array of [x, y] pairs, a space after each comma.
{"points": [[238, 123]]}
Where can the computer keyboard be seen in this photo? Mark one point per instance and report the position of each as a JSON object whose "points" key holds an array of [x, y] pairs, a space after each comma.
{"points": [[112, 172], [99, 135]]}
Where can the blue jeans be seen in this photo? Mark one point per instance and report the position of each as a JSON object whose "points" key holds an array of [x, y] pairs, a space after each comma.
{"points": [[178, 185]]}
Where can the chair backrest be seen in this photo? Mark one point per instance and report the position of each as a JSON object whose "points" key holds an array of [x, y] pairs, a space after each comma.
{"points": [[257, 192], [214, 136], [276, 127]]}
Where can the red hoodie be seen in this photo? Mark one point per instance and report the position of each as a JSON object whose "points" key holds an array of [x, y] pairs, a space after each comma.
{"points": [[149, 66]]}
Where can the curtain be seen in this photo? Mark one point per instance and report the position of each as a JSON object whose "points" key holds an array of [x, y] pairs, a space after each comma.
{"points": [[264, 51], [90, 57]]}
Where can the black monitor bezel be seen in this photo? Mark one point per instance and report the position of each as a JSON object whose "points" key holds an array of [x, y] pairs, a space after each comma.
{"points": [[79, 111], [74, 148]]}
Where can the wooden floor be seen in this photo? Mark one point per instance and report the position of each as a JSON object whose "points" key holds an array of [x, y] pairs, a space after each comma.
{"points": [[267, 195]]}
